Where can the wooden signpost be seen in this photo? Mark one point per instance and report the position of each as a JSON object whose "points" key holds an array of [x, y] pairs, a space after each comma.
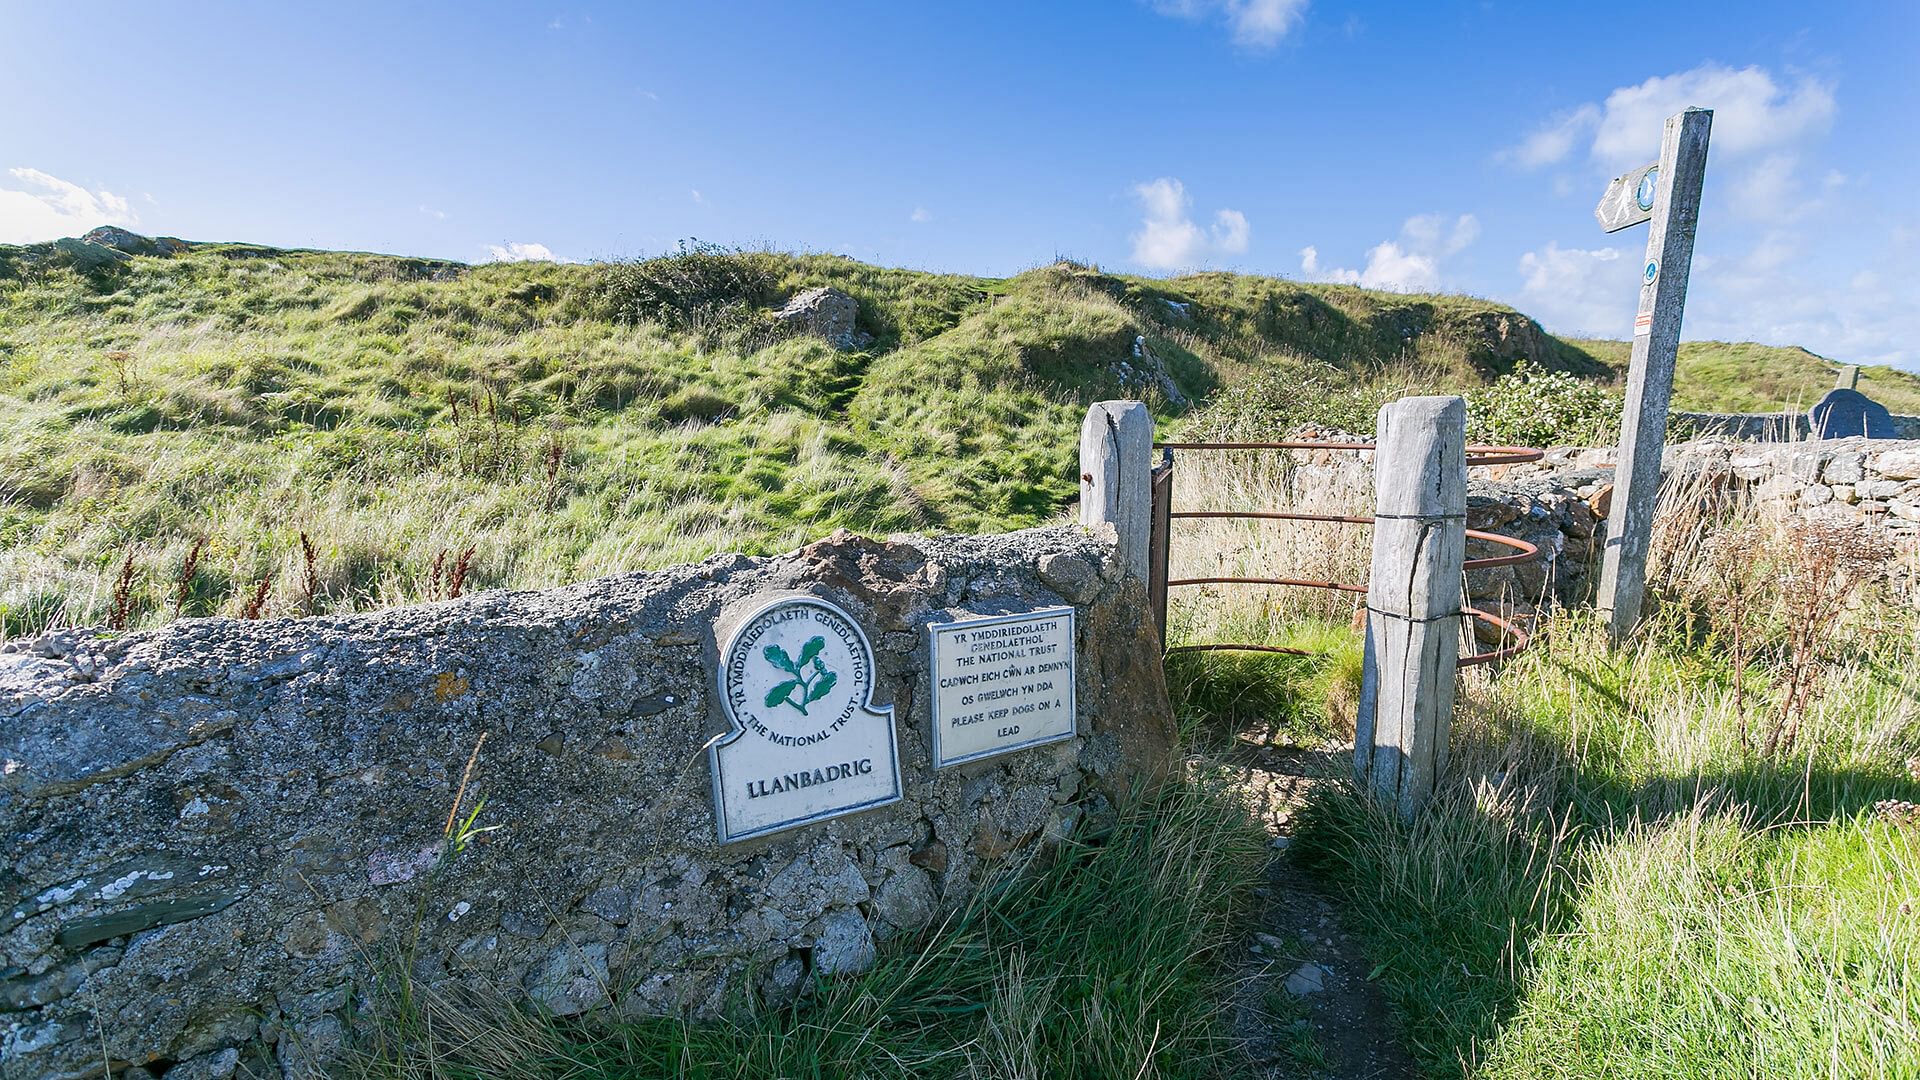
{"points": [[1665, 194]]}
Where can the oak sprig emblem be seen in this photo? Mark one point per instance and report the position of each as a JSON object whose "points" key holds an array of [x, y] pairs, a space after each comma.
{"points": [[808, 684]]}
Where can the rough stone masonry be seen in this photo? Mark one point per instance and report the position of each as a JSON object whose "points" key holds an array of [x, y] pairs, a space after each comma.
{"points": [[219, 832]]}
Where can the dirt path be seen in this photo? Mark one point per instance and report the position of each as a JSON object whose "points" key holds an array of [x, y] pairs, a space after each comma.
{"points": [[1304, 1006]]}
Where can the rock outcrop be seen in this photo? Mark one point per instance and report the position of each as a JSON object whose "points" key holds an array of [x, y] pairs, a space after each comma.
{"points": [[826, 312], [132, 243]]}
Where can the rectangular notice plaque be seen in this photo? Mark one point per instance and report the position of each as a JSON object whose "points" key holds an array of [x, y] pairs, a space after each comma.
{"points": [[1000, 684]]}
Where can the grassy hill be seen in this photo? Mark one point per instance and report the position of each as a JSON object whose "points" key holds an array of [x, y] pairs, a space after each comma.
{"points": [[567, 421], [1718, 376]]}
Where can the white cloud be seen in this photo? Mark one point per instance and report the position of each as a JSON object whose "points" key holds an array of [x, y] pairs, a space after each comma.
{"points": [[1409, 264], [437, 215], [1769, 190], [518, 252], [1752, 112], [1580, 292], [1793, 250], [1555, 140], [699, 198], [1170, 240], [50, 208], [920, 216], [1430, 233], [1254, 24], [1310, 266], [1784, 288]]}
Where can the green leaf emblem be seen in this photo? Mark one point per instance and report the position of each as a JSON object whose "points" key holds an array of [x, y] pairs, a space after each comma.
{"points": [[810, 652], [780, 693], [812, 682], [820, 688]]}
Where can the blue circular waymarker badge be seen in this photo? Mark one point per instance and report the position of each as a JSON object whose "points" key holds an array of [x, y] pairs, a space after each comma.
{"points": [[1652, 271], [1649, 185]]}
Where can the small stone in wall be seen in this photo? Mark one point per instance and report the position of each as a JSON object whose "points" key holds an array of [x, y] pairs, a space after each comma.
{"points": [[386, 867], [219, 1066], [1844, 469], [571, 980], [845, 944], [1074, 578], [610, 903], [932, 857], [1898, 465], [785, 978], [906, 899], [1601, 501], [1880, 489]]}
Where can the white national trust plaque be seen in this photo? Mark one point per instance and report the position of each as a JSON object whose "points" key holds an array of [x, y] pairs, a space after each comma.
{"points": [[1001, 684], [807, 743]]}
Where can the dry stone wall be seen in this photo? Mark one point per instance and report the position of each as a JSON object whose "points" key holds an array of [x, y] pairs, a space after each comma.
{"points": [[220, 831], [1765, 427], [1857, 480], [1560, 504]]}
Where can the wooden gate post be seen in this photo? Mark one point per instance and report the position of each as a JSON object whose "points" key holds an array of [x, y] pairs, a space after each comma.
{"points": [[1116, 485], [1413, 600]]}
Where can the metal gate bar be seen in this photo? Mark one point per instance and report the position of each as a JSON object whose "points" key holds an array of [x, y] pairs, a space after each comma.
{"points": [[1514, 638]]}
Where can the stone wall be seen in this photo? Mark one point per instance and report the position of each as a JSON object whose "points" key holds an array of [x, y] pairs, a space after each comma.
{"points": [[1560, 504], [220, 830], [1763, 427], [1868, 481]]}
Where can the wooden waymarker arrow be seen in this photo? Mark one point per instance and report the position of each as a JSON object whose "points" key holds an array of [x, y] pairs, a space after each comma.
{"points": [[1629, 199]]}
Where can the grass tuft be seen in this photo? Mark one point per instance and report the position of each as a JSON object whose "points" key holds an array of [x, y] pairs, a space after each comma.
{"points": [[1105, 962]]}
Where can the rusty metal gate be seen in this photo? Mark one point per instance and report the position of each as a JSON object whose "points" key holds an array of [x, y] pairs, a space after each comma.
{"points": [[1160, 582]]}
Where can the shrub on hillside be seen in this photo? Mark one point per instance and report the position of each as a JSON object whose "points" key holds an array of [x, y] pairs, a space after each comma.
{"points": [[1272, 403], [704, 288], [1531, 406]]}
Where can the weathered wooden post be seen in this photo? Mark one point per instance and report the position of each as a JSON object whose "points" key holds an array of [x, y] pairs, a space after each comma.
{"points": [[1116, 477], [1413, 600], [1667, 194]]}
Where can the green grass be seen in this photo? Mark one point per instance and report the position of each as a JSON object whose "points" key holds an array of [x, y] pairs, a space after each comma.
{"points": [[1303, 700], [1613, 885], [1109, 961], [570, 421], [1718, 376]]}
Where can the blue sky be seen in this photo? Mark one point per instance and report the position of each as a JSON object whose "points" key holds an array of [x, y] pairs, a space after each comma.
{"points": [[1458, 147]]}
